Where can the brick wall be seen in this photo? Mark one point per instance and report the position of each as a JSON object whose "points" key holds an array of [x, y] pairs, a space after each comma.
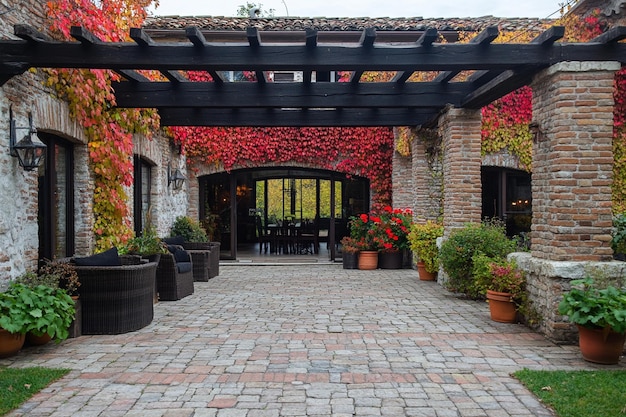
{"points": [[460, 131], [572, 163]]}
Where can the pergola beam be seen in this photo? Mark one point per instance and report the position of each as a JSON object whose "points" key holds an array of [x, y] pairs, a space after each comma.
{"points": [[296, 57], [294, 117], [313, 95]]}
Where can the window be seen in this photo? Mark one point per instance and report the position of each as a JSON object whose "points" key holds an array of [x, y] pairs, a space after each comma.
{"points": [[142, 194], [56, 199]]}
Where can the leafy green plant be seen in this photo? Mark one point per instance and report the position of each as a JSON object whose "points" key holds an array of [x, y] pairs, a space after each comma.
{"points": [[148, 243], [457, 253], [618, 239], [600, 308], [189, 229], [39, 309], [423, 242], [32, 279]]}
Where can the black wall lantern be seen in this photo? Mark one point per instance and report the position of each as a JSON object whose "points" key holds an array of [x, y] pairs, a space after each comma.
{"points": [[175, 177], [29, 152]]}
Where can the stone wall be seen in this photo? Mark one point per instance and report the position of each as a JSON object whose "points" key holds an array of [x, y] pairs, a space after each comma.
{"points": [[18, 189], [548, 280], [25, 93]]}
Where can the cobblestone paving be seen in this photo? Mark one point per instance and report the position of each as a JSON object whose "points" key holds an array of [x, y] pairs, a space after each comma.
{"points": [[270, 341]]}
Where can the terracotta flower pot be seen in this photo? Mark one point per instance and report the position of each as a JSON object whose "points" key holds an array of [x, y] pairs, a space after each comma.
{"points": [[368, 259], [35, 340], [10, 343], [501, 307], [424, 274], [599, 346]]}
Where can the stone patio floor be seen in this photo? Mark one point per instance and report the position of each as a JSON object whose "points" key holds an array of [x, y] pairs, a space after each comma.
{"points": [[303, 340]]}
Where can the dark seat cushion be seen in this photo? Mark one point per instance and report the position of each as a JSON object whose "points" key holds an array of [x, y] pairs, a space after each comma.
{"points": [[106, 258], [176, 240], [181, 255], [183, 267]]}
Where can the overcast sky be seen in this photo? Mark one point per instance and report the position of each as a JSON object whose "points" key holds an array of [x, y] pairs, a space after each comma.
{"points": [[369, 8]]}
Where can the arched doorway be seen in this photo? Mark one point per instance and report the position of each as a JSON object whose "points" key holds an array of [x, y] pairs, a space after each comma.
{"points": [[238, 201]]}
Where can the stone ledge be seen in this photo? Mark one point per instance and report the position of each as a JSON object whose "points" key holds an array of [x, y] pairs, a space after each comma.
{"points": [[567, 269]]}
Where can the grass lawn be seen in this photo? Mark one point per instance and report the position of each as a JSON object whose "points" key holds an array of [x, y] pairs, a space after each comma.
{"points": [[599, 393], [18, 385]]}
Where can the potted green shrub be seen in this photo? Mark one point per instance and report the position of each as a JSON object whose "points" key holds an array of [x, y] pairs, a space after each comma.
{"points": [[600, 315], [189, 229], [503, 284], [423, 242], [148, 245], [40, 310], [457, 252]]}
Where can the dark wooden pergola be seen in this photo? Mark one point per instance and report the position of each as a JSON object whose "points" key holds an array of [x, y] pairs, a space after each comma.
{"points": [[490, 71]]}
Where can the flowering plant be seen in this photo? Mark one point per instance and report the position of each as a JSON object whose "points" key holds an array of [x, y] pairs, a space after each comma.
{"points": [[499, 275], [349, 245], [395, 225], [365, 231], [386, 231]]}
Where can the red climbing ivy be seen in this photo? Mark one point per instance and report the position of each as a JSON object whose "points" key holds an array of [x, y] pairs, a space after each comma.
{"points": [[505, 125], [91, 100], [355, 151]]}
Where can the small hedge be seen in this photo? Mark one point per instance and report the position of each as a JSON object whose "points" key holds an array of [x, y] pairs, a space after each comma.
{"points": [[189, 229], [456, 253]]}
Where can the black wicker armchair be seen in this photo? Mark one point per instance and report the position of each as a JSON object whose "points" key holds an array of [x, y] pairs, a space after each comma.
{"points": [[174, 276], [116, 299]]}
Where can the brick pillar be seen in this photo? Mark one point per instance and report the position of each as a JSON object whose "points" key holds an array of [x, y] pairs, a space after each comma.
{"points": [[462, 194], [427, 180], [572, 162], [193, 195], [401, 180]]}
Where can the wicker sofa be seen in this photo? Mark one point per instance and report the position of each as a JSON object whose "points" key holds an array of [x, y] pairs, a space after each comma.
{"points": [[116, 299]]}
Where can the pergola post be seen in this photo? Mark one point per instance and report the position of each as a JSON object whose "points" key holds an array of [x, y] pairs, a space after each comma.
{"points": [[427, 179], [573, 161], [401, 179], [571, 186], [462, 198]]}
